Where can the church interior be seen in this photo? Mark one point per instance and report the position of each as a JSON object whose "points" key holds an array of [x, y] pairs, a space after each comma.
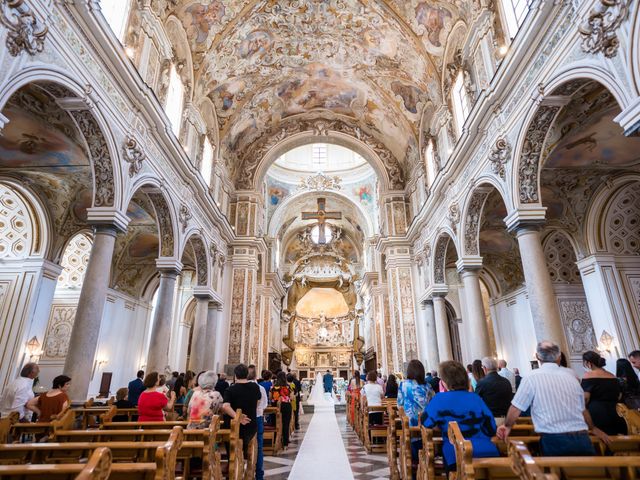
{"points": [[317, 187]]}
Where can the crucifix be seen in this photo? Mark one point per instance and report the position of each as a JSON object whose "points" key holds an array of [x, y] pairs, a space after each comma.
{"points": [[321, 215]]}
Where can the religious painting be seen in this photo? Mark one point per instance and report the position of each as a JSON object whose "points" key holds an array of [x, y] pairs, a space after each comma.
{"points": [[144, 245], [411, 96], [435, 21], [255, 44], [276, 192], [200, 18], [83, 200], [138, 215], [364, 194], [495, 241], [224, 95]]}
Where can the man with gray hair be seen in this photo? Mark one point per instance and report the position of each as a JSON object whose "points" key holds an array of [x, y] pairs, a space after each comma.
{"points": [[504, 372], [16, 395], [557, 407], [494, 390]]}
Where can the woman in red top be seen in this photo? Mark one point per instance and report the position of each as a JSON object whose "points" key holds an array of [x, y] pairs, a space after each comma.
{"points": [[152, 403], [281, 392], [54, 402]]}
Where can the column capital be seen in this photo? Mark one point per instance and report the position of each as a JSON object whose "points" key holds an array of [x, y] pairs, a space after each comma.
{"points": [[469, 264], [169, 266], [203, 293], [108, 217], [526, 219]]}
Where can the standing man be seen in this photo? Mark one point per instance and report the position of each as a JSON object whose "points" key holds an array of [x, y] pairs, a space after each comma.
{"points": [[136, 387], [298, 386], [262, 404], [222, 384], [16, 395], [494, 390], [516, 372], [503, 371], [244, 395], [327, 382], [557, 407], [634, 358]]}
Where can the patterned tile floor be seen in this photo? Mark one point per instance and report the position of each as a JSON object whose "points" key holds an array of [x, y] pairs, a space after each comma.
{"points": [[363, 465]]}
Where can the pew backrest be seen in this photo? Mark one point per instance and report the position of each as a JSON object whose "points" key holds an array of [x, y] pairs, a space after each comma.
{"points": [[524, 465], [98, 467]]}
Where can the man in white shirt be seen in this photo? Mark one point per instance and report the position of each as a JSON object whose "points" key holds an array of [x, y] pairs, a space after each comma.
{"points": [[557, 407], [17, 394], [503, 371], [262, 404]]}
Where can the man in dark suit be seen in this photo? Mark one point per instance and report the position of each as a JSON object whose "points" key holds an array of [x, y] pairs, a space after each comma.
{"points": [[518, 377], [327, 382], [136, 387], [494, 389]]}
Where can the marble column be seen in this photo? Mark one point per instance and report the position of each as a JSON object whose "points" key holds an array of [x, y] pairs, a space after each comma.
{"points": [[542, 299], [158, 356], [86, 328], [199, 338], [442, 328], [213, 312], [433, 357], [477, 330]]}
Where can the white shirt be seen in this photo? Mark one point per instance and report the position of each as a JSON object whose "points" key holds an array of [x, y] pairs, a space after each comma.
{"points": [[263, 402], [15, 397], [374, 394], [509, 375], [556, 399]]}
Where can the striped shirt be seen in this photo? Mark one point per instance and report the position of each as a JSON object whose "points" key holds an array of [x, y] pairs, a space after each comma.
{"points": [[555, 397]]}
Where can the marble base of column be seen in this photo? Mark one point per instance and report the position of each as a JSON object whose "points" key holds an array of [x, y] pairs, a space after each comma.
{"points": [[542, 298], [477, 330], [442, 329], [86, 328], [433, 357], [158, 357], [199, 335]]}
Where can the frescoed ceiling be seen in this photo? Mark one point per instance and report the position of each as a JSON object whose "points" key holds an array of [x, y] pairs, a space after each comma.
{"points": [[371, 63]]}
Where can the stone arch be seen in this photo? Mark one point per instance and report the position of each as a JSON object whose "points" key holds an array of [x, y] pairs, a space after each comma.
{"points": [[634, 52], [561, 255], [200, 256], [440, 255], [472, 214], [37, 215], [180, 43], [91, 123], [530, 147], [165, 214], [296, 132]]}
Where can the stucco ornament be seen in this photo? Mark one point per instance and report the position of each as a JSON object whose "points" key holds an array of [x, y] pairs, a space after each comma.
{"points": [[599, 29], [25, 32], [454, 216], [499, 156], [184, 216], [133, 155], [320, 181]]}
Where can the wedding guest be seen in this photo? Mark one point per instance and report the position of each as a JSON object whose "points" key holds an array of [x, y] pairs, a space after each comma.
{"points": [[494, 389], [391, 389], [205, 401], [602, 393], [629, 383], [153, 403], [16, 395], [281, 392], [503, 371], [222, 384], [372, 391], [243, 395], [136, 387], [478, 373], [516, 373], [413, 396], [122, 402], [262, 404], [265, 382], [53, 402]]}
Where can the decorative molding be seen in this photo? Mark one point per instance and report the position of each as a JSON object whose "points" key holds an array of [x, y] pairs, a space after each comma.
{"points": [[439, 259], [200, 253], [499, 157], [58, 335], [25, 32], [599, 29], [165, 227], [472, 221], [133, 155], [184, 216], [454, 216], [320, 181], [578, 326]]}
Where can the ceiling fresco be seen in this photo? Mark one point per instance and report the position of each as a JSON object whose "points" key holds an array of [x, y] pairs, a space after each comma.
{"points": [[376, 63]]}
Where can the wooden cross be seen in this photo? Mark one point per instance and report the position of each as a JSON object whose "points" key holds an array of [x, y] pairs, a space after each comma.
{"points": [[321, 215]]}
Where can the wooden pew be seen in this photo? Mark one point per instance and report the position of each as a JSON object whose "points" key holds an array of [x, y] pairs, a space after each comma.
{"points": [[631, 418], [143, 425], [272, 438], [97, 468], [524, 465], [108, 416], [394, 431], [405, 461], [63, 421], [373, 432], [5, 426]]}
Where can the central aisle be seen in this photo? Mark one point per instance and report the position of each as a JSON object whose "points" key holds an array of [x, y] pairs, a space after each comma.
{"points": [[322, 454]]}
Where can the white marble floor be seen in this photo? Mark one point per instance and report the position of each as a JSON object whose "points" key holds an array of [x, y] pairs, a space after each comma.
{"points": [[322, 454]]}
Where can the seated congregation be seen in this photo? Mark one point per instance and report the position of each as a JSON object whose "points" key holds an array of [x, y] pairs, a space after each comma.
{"points": [[486, 421], [190, 426]]}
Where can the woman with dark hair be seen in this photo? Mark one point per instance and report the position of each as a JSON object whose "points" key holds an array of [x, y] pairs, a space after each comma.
{"points": [[629, 383], [152, 403], [391, 390], [281, 391], [601, 393], [414, 394], [477, 373], [53, 402]]}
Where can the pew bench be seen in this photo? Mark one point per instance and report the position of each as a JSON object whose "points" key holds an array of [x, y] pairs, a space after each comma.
{"points": [[272, 437], [63, 421], [375, 435], [143, 425]]}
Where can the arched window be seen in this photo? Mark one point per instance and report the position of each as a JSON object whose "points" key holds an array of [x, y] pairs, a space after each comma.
{"points": [[430, 161], [116, 13], [460, 101], [514, 12], [207, 161], [175, 98]]}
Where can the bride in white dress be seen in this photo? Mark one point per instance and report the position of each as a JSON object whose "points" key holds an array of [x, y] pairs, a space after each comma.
{"points": [[317, 396]]}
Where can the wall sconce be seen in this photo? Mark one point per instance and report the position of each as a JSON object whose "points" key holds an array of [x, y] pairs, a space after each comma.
{"points": [[98, 364], [33, 349]]}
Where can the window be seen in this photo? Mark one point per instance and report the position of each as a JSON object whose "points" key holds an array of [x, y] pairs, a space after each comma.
{"points": [[460, 104], [319, 156], [207, 161], [175, 97], [514, 13], [116, 13], [430, 161]]}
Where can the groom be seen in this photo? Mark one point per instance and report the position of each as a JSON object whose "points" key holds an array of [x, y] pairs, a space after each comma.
{"points": [[327, 381]]}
